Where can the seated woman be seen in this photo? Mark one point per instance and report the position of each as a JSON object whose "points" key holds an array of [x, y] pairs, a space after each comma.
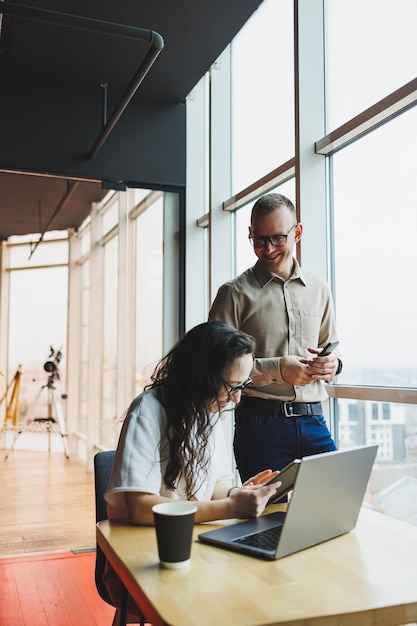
{"points": [[171, 445]]}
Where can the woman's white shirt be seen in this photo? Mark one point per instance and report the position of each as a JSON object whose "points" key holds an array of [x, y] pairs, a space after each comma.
{"points": [[142, 454]]}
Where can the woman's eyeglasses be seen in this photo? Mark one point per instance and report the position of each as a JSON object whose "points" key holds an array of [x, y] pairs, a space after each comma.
{"points": [[233, 389]]}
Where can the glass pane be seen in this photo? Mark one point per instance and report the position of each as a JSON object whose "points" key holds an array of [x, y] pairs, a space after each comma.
{"points": [[139, 195], [84, 338], [245, 256], [375, 223], [83, 412], [149, 293], [34, 237], [37, 333], [371, 52], [85, 241], [392, 488], [38, 318], [52, 253], [111, 215], [108, 430], [262, 93]]}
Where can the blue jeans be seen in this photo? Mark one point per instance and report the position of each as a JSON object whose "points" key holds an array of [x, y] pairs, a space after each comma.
{"points": [[266, 439]]}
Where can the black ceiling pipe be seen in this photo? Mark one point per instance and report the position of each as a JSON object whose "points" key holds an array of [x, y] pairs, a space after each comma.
{"points": [[99, 26], [81, 22], [128, 95], [71, 187]]}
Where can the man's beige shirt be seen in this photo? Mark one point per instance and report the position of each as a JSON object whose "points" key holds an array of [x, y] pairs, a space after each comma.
{"points": [[285, 318]]}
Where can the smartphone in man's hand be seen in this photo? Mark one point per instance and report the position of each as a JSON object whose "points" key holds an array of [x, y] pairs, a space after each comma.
{"points": [[329, 348]]}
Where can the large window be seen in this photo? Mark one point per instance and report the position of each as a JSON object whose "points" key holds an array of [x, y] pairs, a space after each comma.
{"points": [[84, 343], [149, 289], [371, 52], [356, 199], [262, 93], [392, 488], [375, 222], [37, 332], [125, 298], [108, 434], [125, 295]]}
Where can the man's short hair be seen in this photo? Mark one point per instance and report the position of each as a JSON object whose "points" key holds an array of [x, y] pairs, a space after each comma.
{"points": [[270, 202]]}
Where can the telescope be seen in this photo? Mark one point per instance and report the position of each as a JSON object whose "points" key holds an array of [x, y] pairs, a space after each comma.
{"points": [[53, 402], [52, 364]]}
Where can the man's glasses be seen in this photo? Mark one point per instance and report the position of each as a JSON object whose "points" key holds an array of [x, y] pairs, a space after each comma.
{"points": [[278, 241], [233, 389]]}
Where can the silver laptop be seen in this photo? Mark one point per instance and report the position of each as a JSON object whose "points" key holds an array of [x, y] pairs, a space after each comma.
{"points": [[326, 499]]}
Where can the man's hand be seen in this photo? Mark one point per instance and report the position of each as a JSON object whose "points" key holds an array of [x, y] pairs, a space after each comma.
{"points": [[321, 367], [296, 371]]}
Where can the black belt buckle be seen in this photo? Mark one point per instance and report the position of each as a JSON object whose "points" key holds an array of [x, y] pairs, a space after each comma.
{"points": [[288, 410]]}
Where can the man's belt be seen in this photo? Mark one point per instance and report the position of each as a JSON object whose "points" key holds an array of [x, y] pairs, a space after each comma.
{"points": [[289, 409]]}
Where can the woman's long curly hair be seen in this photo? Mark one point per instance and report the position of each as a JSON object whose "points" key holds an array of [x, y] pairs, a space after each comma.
{"points": [[189, 378]]}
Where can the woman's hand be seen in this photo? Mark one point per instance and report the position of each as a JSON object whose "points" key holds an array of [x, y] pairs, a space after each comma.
{"points": [[251, 499], [262, 478]]}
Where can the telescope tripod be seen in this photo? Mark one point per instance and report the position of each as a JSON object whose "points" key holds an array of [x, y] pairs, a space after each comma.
{"points": [[12, 408], [54, 401]]}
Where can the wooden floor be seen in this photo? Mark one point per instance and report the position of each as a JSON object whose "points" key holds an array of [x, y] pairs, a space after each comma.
{"points": [[47, 503], [47, 543], [51, 589]]}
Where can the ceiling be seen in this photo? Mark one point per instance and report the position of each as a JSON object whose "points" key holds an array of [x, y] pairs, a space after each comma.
{"points": [[84, 100]]}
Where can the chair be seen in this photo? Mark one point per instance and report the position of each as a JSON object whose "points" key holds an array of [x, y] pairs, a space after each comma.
{"points": [[103, 463]]}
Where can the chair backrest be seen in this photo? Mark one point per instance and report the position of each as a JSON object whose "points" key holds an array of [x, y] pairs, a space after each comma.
{"points": [[103, 463]]}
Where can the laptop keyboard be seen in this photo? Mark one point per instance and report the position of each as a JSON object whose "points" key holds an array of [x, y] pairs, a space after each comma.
{"points": [[265, 539]]}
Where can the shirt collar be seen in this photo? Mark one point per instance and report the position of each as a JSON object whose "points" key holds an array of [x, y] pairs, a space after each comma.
{"points": [[265, 276]]}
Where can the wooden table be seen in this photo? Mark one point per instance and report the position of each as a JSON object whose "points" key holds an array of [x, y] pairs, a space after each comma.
{"points": [[367, 577]]}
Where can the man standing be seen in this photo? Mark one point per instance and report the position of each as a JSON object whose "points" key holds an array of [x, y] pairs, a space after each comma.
{"points": [[290, 314]]}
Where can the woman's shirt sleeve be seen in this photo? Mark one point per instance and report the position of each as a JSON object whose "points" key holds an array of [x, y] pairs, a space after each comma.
{"points": [[137, 466]]}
